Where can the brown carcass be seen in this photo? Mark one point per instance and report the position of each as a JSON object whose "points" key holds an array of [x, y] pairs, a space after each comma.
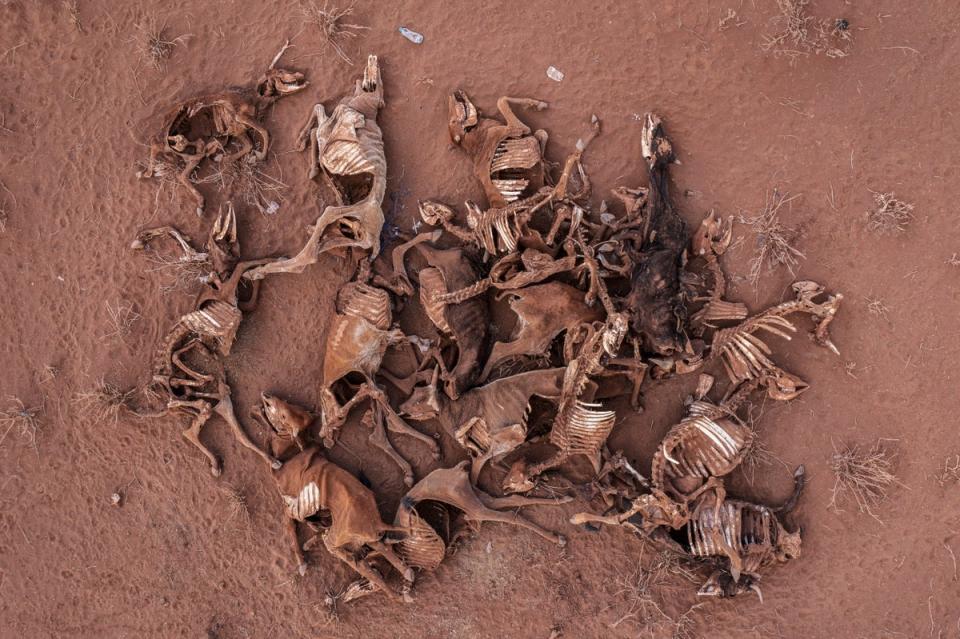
{"points": [[507, 157], [543, 312], [219, 126], [491, 420], [207, 333], [462, 324], [580, 427], [346, 149], [452, 487], [313, 487], [361, 332]]}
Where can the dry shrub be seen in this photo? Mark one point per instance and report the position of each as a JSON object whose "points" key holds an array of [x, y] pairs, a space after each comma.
{"points": [[330, 20], [155, 45], [122, 316], [244, 180], [890, 215], [864, 475], [798, 34], [104, 403], [949, 472], [877, 308], [26, 421], [238, 508], [774, 243], [73, 13]]}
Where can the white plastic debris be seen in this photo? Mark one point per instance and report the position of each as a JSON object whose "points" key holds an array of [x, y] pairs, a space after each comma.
{"points": [[411, 35], [554, 74]]}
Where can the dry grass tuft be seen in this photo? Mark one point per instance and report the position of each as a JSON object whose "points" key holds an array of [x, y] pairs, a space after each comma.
{"points": [[864, 475], [949, 471], [104, 403], [73, 13], [331, 23], [154, 44], [798, 34], [877, 308], [730, 19], [25, 420], [237, 507], [774, 243], [245, 181], [890, 215], [122, 316], [954, 260]]}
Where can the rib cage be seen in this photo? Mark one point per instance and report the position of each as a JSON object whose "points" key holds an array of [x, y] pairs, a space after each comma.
{"points": [[516, 153], [304, 505], [701, 446], [584, 431], [422, 547], [343, 157], [510, 189], [216, 319], [739, 528], [494, 224], [745, 356], [366, 302]]}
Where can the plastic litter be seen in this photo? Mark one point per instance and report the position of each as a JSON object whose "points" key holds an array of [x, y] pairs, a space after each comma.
{"points": [[554, 73], [411, 35]]}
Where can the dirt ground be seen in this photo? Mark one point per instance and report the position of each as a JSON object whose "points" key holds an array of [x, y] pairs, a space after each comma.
{"points": [[178, 558]]}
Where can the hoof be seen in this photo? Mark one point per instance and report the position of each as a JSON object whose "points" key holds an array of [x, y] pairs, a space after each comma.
{"points": [[200, 211], [561, 541], [408, 481], [276, 464], [541, 105], [302, 568], [409, 575], [141, 175], [216, 471]]}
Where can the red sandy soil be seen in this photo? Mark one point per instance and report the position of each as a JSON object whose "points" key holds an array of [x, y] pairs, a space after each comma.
{"points": [[172, 561]]}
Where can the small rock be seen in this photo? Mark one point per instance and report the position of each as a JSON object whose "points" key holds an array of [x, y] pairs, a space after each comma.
{"points": [[411, 35], [554, 73]]}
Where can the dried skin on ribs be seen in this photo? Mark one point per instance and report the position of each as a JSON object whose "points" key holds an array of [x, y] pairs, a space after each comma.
{"points": [[507, 157]]}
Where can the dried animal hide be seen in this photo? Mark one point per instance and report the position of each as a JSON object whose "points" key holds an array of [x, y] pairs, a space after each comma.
{"points": [[543, 312], [464, 324], [655, 301], [491, 420], [346, 148], [452, 486], [230, 118], [746, 357], [309, 484], [507, 158], [286, 421], [579, 427], [359, 336]]}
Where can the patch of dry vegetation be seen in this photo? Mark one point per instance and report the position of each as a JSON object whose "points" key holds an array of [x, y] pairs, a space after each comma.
{"points": [[866, 476], [774, 245], [72, 8], [237, 507], [877, 308], [890, 215], [798, 34], [104, 402], [122, 315], [332, 24], [25, 420], [154, 44], [245, 181], [949, 472]]}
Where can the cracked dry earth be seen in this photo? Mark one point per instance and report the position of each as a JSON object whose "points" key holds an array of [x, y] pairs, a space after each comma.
{"points": [[181, 555]]}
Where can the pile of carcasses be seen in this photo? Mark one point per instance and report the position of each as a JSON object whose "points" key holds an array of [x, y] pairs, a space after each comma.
{"points": [[602, 300]]}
